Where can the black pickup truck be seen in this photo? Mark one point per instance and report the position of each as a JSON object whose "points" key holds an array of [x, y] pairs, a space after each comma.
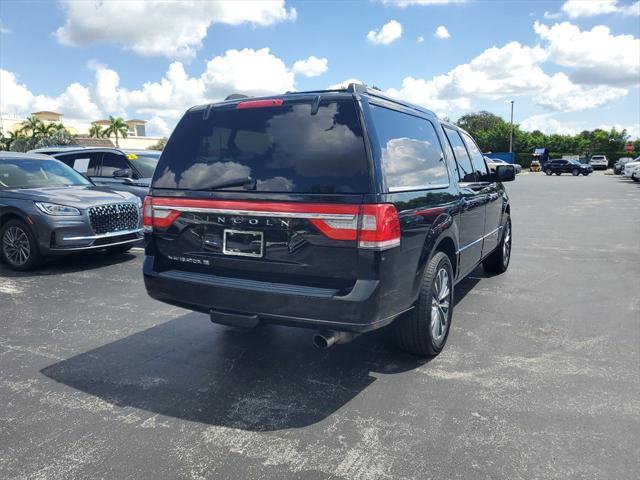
{"points": [[340, 210]]}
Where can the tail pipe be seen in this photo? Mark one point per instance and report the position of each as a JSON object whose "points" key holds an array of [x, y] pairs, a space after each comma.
{"points": [[328, 338]]}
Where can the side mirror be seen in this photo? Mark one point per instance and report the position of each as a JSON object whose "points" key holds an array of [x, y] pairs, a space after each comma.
{"points": [[123, 173], [505, 173]]}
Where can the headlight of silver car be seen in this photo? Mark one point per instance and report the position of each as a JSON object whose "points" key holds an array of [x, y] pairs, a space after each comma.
{"points": [[55, 209]]}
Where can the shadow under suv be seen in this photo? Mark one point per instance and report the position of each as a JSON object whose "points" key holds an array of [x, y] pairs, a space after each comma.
{"points": [[341, 211]]}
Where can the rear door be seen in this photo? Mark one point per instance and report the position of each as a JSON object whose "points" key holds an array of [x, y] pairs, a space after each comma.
{"points": [[472, 205], [485, 185], [264, 190]]}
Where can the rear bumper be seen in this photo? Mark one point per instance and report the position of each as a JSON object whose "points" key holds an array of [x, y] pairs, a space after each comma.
{"points": [[285, 304]]}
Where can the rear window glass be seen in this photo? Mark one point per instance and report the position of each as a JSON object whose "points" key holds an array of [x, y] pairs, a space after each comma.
{"points": [[410, 150], [289, 148]]}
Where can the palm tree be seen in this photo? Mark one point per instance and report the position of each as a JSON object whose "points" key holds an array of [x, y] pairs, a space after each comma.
{"points": [[46, 129], [117, 126], [96, 131], [32, 126], [10, 138]]}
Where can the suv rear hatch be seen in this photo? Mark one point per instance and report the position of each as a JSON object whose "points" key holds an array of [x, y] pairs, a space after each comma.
{"points": [[267, 191]]}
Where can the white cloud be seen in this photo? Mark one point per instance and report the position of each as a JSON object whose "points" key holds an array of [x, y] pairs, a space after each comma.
{"points": [[169, 28], [597, 56], [253, 72], [563, 95], [420, 39], [248, 71], [546, 123], [388, 33], [15, 97], [442, 32], [552, 16], [3, 30], [344, 84], [158, 127], [592, 8], [311, 67]]}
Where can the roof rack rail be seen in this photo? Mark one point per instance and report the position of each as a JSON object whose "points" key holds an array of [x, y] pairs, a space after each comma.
{"points": [[377, 93]]}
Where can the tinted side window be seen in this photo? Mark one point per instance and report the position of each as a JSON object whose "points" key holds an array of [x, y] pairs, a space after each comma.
{"points": [[477, 159], [465, 169], [112, 162], [410, 150], [86, 163]]}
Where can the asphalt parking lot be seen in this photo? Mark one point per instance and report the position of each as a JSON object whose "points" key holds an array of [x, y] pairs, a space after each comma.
{"points": [[540, 378]]}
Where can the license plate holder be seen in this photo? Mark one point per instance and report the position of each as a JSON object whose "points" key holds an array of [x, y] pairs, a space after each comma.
{"points": [[243, 243]]}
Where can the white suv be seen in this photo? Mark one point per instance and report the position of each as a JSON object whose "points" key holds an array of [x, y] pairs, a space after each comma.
{"points": [[630, 167], [599, 161]]}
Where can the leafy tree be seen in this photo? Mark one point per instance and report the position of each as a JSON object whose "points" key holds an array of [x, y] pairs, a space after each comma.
{"points": [[159, 145], [32, 126], [58, 137], [96, 131], [117, 126]]}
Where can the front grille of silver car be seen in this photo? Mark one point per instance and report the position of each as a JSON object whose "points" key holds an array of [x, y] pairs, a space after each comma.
{"points": [[114, 218]]}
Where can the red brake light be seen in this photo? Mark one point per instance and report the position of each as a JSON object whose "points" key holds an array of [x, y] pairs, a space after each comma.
{"points": [[272, 102], [154, 216], [379, 227]]}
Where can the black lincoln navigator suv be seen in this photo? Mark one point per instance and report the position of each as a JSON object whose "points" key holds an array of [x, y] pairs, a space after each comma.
{"points": [[341, 210]]}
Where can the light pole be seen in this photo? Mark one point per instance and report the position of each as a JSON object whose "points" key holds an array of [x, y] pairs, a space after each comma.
{"points": [[511, 132]]}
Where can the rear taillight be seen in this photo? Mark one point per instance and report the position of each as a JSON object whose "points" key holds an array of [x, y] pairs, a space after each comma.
{"points": [[379, 227], [147, 214], [157, 216], [373, 226]]}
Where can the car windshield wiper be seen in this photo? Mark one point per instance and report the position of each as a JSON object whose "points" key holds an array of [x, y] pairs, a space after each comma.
{"points": [[247, 182]]}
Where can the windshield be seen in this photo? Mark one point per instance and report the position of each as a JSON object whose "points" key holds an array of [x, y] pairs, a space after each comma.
{"points": [[575, 162], [295, 147], [27, 173], [145, 164]]}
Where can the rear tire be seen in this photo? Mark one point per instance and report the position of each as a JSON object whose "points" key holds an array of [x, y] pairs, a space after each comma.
{"points": [[424, 330], [18, 246], [548, 171], [498, 260], [575, 172]]}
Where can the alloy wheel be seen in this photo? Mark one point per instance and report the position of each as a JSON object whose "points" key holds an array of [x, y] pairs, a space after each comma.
{"points": [[16, 247], [506, 244], [440, 304]]}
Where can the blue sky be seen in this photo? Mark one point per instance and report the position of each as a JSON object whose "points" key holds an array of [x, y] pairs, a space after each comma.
{"points": [[568, 65]]}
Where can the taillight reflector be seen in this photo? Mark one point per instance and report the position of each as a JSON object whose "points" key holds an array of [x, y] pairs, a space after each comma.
{"points": [[272, 102]]}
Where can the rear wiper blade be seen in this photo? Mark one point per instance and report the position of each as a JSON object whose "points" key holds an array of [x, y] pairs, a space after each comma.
{"points": [[247, 182]]}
